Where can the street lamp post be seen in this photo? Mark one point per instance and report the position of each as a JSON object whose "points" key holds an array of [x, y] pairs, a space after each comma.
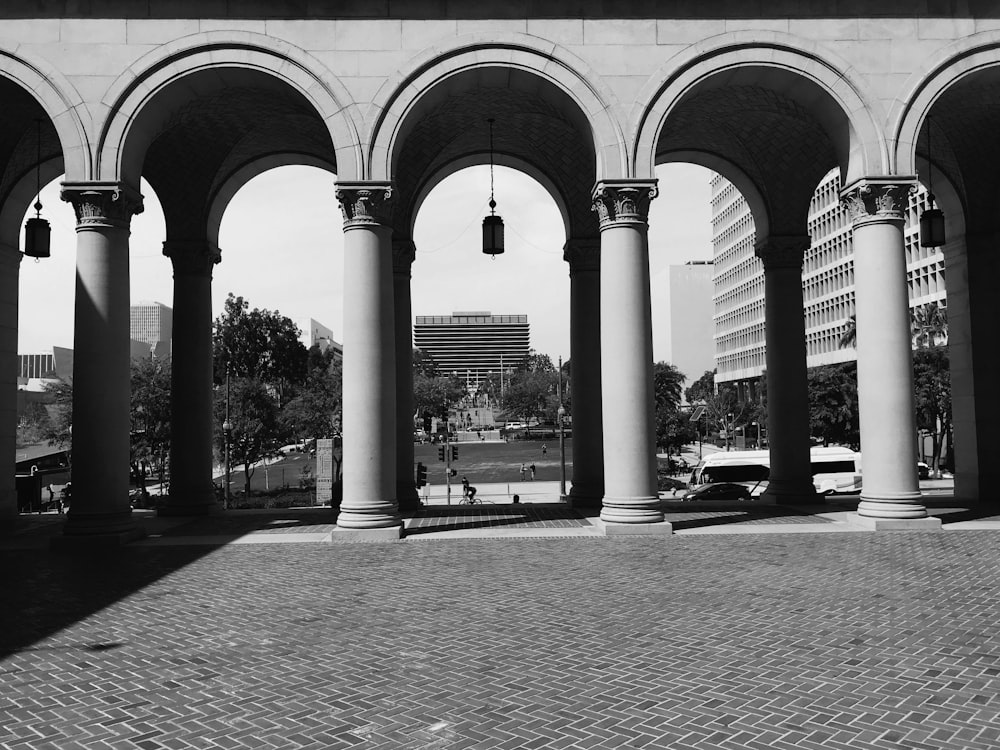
{"points": [[227, 427], [561, 415]]}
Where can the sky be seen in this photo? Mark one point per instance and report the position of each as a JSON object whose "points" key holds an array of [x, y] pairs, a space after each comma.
{"points": [[282, 249]]}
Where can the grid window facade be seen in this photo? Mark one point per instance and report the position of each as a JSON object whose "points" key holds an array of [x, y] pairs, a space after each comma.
{"points": [[35, 365], [150, 322], [473, 344], [827, 278]]}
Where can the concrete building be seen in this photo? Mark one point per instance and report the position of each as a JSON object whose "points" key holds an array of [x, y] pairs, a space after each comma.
{"points": [[198, 98], [690, 328], [315, 333], [828, 288], [473, 344], [151, 323]]}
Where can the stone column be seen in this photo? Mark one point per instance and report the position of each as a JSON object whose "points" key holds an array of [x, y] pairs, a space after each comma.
{"points": [[403, 253], [787, 383], [191, 413], [369, 508], [971, 269], [890, 496], [630, 495], [10, 268], [100, 510], [584, 258]]}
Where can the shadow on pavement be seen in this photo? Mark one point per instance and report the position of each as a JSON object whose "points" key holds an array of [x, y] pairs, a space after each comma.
{"points": [[682, 519], [436, 518]]}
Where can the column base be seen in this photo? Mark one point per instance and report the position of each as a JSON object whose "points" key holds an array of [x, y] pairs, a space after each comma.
{"points": [[899, 524], [628, 510], [355, 521], [794, 492], [407, 497], [390, 534], [97, 531], [661, 528], [907, 507], [586, 497]]}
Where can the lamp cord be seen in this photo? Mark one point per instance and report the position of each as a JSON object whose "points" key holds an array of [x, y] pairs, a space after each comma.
{"points": [[493, 203], [38, 168]]}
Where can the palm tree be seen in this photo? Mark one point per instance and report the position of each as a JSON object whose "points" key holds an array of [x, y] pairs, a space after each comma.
{"points": [[928, 325], [850, 335]]}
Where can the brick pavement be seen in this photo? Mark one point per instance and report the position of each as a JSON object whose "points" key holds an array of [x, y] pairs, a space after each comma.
{"points": [[815, 641]]}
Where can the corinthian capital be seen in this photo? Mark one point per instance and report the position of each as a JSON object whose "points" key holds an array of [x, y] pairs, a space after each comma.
{"points": [[583, 254], [404, 251], [365, 202], [623, 201], [102, 204], [878, 198], [192, 257], [782, 251]]}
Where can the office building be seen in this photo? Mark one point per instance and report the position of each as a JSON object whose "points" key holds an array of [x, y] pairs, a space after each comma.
{"points": [[689, 344], [152, 324], [473, 344], [827, 279]]}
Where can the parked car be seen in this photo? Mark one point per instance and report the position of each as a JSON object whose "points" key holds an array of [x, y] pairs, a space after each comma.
{"points": [[719, 491]]}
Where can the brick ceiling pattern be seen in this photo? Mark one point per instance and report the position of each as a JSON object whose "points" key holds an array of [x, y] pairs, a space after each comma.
{"points": [[212, 136], [525, 126], [19, 136], [965, 145], [780, 145]]}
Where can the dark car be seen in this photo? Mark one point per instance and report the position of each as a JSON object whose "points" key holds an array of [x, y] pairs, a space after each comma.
{"points": [[719, 491]]}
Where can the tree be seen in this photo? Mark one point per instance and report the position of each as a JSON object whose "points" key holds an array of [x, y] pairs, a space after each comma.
{"points": [[850, 335], [33, 425], [260, 344], [531, 394], [253, 414], [673, 428], [433, 396], [833, 404], [59, 432], [929, 325], [932, 398], [702, 389], [315, 411], [150, 418], [423, 364]]}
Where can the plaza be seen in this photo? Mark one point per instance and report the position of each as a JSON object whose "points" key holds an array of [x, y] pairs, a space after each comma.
{"points": [[236, 632]]}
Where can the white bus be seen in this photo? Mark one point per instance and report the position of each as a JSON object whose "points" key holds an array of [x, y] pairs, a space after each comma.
{"points": [[834, 469]]}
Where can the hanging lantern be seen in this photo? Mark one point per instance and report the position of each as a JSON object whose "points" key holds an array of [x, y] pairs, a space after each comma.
{"points": [[36, 230], [932, 219], [492, 224], [932, 226]]}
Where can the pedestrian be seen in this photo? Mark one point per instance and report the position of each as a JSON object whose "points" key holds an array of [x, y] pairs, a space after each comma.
{"points": [[544, 449], [472, 495], [465, 486], [523, 469], [532, 468]]}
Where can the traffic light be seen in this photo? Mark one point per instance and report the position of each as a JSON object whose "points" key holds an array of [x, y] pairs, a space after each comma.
{"points": [[421, 475], [452, 472], [440, 453], [454, 453]]}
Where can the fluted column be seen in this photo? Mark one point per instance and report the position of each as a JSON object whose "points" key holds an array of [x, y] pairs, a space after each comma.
{"points": [[584, 258], [10, 268], [369, 503], [890, 492], [100, 508], [630, 495], [790, 479], [403, 253], [191, 414]]}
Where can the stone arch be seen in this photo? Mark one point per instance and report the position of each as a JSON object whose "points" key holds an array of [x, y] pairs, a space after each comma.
{"points": [[228, 189], [398, 96], [62, 104], [740, 179], [861, 148], [503, 160], [168, 63]]}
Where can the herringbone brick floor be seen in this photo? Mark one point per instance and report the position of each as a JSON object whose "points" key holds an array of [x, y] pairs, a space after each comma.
{"points": [[778, 641]]}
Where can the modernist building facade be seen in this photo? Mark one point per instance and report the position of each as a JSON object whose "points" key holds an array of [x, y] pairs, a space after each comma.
{"points": [[827, 279], [198, 98], [475, 345]]}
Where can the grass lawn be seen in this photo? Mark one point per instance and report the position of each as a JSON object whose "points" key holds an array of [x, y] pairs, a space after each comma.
{"points": [[497, 462]]}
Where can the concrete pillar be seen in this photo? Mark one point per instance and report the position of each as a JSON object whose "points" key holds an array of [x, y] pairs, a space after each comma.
{"points": [[100, 510], [790, 479], [191, 414], [630, 495], [584, 258], [10, 269], [403, 253], [369, 509], [890, 496], [972, 265]]}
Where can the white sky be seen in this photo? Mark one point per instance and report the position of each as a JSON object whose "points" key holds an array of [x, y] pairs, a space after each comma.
{"points": [[282, 249]]}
